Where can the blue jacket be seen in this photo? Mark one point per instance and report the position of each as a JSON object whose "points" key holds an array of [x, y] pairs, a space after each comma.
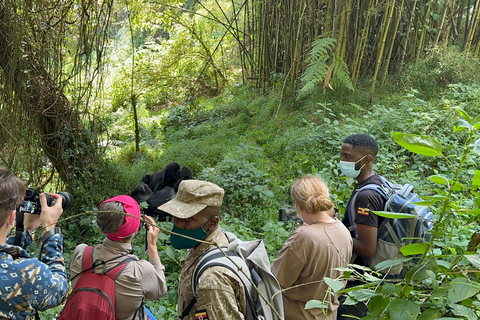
{"points": [[31, 284]]}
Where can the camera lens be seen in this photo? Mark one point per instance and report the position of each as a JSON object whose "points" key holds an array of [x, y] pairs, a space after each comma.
{"points": [[67, 200]]}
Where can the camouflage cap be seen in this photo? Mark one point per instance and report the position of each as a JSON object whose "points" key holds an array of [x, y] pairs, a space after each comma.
{"points": [[192, 197]]}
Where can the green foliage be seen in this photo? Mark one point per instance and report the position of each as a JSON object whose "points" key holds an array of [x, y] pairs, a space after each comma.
{"points": [[321, 62], [243, 182], [441, 67], [445, 275]]}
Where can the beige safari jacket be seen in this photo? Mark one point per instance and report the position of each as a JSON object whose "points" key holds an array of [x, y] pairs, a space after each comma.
{"points": [[220, 293]]}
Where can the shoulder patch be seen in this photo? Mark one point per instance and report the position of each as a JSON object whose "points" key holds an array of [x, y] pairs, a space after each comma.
{"points": [[363, 211], [201, 315]]}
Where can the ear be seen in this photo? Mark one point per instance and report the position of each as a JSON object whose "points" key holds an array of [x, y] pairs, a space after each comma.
{"points": [[213, 223], [369, 158], [11, 218]]}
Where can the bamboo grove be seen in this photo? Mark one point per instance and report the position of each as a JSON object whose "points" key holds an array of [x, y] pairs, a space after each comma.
{"points": [[375, 37]]}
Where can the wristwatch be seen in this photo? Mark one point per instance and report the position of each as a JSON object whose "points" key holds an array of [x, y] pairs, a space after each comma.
{"points": [[51, 232]]}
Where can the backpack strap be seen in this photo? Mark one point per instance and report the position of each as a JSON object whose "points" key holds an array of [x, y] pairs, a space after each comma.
{"points": [[215, 257], [88, 257], [385, 190]]}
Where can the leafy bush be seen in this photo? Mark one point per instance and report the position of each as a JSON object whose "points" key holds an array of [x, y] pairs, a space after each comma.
{"points": [[443, 279], [440, 67]]}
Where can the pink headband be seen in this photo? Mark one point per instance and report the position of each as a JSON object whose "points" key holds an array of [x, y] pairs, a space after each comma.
{"points": [[131, 224]]}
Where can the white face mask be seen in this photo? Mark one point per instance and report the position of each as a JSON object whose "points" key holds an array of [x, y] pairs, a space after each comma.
{"points": [[348, 168]]}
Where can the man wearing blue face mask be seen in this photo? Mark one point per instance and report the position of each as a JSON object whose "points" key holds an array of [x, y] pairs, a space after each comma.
{"points": [[220, 293], [358, 155]]}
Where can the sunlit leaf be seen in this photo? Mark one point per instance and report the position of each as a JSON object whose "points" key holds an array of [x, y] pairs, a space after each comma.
{"points": [[439, 179], [414, 248], [394, 215], [386, 264], [336, 285], [400, 309], [435, 198], [474, 259], [476, 146], [312, 304], [363, 294], [464, 115], [474, 212], [462, 124], [423, 145]]}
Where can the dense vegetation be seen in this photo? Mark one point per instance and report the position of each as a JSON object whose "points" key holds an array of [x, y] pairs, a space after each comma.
{"points": [[97, 94]]}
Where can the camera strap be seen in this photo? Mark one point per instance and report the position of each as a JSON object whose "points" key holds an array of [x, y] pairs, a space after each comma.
{"points": [[18, 228]]}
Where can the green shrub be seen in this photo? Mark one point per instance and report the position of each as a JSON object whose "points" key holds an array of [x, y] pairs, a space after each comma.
{"points": [[440, 67]]}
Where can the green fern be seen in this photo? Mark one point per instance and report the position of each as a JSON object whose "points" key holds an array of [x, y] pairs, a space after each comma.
{"points": [[319, 60]]}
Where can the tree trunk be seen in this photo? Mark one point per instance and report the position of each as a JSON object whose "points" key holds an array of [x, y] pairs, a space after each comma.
{"points": [[32, 90]]}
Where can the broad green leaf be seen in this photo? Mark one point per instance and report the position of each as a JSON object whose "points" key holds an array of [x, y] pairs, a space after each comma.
{"points": [[430, 314], [464, 115], [371, 278], [439, 179], [394, 215], [388, 263], [400, 309], [389, 288], [457, 185], [464, 311], [414, 248], [423, 145], [462, 125], [461, 289], [474, 259], [476, 178], [336, 285], [170, 253], [350, 301], [474, 212], [312, 304], [363, 294], [476, 146], [436, 197]]}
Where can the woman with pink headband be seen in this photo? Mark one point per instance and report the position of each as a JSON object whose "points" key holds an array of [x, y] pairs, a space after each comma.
{"points": [[119, 220]]}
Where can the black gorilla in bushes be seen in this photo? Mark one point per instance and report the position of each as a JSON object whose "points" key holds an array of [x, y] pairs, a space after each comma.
{"points": [[160, 187]]}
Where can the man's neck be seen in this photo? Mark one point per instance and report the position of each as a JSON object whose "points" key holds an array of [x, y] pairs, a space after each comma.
{"points": [[365, 174]]}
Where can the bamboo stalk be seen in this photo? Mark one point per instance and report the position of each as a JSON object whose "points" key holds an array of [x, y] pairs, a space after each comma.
{"points": [[389, 55], [385, 27]]}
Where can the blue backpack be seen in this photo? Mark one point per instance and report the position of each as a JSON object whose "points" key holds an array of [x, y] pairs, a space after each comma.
{"points": [[396, 233]]}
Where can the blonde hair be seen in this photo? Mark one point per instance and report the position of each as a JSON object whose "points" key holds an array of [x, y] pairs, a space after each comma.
{"points": [[311, 193]]}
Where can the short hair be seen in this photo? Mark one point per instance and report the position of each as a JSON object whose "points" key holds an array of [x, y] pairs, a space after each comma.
{"points": [[111, 216], [362, 140], [311, 193], [12, 193]]}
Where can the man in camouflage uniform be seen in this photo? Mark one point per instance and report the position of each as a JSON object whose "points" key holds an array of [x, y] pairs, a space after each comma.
{"points": [[28, 285], [220, 293]]}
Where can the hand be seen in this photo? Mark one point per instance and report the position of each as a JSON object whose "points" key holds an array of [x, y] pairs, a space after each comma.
{"points": [[31, 221], [152, 237], [50, 215], [153, 231]]}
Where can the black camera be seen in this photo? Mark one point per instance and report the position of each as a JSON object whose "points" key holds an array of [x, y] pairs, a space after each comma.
{"points": [[288, 215], [31, 202]]}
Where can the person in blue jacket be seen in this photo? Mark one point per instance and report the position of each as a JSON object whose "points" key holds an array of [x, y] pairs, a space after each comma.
{"points": [[28, 285]]}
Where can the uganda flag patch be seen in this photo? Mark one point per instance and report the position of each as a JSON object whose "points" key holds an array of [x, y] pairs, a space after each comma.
{"points": [[201, 315], [363, 211]]}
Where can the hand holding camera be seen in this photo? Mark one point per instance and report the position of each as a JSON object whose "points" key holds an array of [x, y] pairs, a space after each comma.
{"points": [[50, 214], [40, 208]]}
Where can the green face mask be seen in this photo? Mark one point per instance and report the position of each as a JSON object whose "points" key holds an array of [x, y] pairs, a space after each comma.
{"points": [[179, 242]]}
